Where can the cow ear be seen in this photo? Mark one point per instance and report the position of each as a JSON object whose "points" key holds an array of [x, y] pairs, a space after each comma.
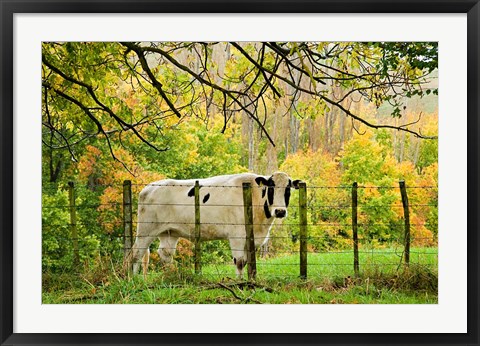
{"points": [[296, 184], [261, 181]]}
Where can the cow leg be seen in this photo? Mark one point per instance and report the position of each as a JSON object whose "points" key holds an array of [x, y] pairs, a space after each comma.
{"points": [[167, 247], [145, 261], [239, 255], [138, 250]]}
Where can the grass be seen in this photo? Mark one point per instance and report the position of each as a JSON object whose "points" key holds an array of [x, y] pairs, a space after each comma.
{"points": [[382, 280]]}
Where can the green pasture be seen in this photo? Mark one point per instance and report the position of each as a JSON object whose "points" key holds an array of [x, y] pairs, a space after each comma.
{"points": [[383, 279]]}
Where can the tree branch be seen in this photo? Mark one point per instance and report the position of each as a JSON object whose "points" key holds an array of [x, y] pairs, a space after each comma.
{"points": [[230, 93], [94, 97], [156, 84]]}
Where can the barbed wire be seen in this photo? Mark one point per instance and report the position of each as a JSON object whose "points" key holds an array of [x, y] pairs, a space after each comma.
{"points": [[202, 242], [291, 252], [321, 224], [275, 225], [259, 263], [271, 237], [310, 206], [319, 252], [120, 185]]}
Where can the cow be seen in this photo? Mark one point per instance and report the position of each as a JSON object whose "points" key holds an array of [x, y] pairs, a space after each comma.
{"points": [[166, 210]]}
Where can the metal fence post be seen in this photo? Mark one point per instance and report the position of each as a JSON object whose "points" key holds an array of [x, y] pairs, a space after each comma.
{"points": [[303, 228], [250, 240], [406, 213], [197, 250], [355, 227], [73, 224], [127, 222]]}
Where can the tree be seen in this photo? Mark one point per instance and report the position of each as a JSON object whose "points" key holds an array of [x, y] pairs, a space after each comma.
{"points": [[133, 92]]}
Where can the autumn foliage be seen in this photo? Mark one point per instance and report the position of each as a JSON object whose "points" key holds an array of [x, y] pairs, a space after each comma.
{"points": [[120, 127]]}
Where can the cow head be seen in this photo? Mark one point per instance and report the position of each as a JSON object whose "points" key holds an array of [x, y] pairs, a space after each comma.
{"points": [[276, 193]]}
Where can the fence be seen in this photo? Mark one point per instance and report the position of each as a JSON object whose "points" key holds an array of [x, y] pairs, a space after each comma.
{"points": [[301, 212]]}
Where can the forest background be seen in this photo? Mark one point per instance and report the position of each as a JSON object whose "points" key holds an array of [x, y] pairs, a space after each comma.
{"points": [[328, 113]]}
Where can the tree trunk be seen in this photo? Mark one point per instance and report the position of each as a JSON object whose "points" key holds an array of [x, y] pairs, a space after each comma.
{"points": [[395, 143], [402, 147], [417, 151], [326, 121], [251, 145], [294, 128], [272, 160], [331, 131]]}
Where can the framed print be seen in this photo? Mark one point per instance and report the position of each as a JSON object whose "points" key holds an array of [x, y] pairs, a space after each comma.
{"points": [[246, 172]]}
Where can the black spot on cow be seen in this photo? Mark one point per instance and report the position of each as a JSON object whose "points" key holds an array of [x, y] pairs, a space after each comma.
{"points": [[261, 181], [270, 184], [287, 195], [191, 193], [268, 215], [270, 190], [296, 184], [205, 199]]}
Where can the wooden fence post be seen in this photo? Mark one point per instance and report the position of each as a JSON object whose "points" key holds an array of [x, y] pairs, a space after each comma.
{"points": [[197, 250], [250, 240], [127, 222], [303, 228], [406, 213], [73, 224], [355, 227]]}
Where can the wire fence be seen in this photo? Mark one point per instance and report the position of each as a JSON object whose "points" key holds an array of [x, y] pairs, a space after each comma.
{"points": [[343, 230]]}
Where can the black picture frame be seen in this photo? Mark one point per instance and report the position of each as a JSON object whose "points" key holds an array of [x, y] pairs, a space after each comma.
{"points": [[9, 8]]}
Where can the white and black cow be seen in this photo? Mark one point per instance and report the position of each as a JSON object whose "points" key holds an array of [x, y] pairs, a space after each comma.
{"points": [[166, 211]]}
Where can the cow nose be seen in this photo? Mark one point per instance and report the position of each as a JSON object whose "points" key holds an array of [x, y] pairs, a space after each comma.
{"points": [[280, 213]]}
